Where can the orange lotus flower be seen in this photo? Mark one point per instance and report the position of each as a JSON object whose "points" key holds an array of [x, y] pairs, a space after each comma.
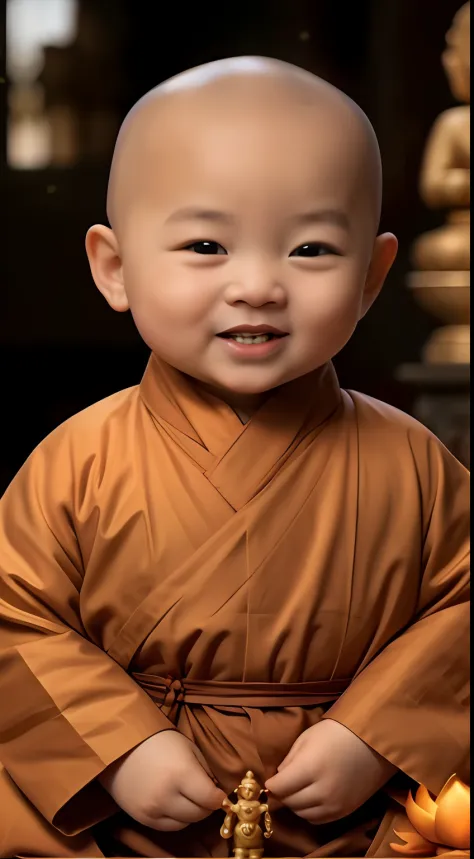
{"points": [[442, 825]]}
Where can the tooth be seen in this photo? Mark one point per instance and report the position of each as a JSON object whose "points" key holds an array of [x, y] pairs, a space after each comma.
{"points": [[250, 339]]}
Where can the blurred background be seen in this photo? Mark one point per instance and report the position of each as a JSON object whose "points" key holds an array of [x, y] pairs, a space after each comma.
{"points": [[73, 68]]}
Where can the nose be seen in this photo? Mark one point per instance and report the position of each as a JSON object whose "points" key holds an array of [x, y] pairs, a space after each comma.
{"points": [[255, 283]]}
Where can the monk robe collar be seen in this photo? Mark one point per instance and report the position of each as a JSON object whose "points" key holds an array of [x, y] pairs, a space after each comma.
{"points": [[226, 450]]}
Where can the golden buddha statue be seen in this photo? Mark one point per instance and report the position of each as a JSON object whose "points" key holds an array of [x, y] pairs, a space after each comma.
{"points": [[442, 256]]}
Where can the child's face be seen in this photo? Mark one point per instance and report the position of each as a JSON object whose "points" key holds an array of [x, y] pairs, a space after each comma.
{"points": [[255, 219]]}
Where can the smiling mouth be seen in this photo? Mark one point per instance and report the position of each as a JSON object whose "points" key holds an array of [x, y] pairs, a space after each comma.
{"points": [[252, 335], [250, 339]]}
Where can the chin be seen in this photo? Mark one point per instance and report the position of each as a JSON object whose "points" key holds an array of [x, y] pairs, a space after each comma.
{"points": [[251, 387]]}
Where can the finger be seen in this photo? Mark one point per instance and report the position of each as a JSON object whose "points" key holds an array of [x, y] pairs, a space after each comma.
{"points": [[181, 813], [197, 786], [188, 811], [318, 815], [166, 824], [290, 780], [304, 799], [290, 756]]}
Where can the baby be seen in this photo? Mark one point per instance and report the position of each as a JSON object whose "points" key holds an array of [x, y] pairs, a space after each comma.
{"points": [[234, 565]]}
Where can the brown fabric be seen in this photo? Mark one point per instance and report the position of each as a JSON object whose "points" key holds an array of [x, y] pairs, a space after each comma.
{"points": [[153, 536], [171, 693]]}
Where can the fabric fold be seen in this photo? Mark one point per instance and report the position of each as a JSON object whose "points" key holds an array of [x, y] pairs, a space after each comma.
{"points": [[163, 567]]}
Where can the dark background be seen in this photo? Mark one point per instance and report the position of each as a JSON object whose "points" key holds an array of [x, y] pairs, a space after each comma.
{"points": [[62, 348]]}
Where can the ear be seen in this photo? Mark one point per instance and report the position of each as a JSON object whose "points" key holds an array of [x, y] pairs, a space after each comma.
{"points": [[103, 253], [383, 256]]}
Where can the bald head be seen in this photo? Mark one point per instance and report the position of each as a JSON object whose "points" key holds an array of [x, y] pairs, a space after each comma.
{"points": [[250, 91], [244, 192]]}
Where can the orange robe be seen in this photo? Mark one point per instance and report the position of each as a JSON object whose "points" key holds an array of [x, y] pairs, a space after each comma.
{"points": [[164, 565]]}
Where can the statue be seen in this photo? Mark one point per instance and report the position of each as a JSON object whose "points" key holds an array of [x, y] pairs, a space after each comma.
{"points": [[442, 256], [243, 818]]}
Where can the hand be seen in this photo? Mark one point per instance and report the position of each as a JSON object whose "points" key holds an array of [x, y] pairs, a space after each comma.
{"points": [[164, 783], [328, 773]]}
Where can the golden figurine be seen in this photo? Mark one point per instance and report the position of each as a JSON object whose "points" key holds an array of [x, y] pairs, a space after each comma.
{"points": [[243, 818], [442, 256]]}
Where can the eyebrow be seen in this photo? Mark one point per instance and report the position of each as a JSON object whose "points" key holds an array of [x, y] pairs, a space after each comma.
{"points": [[317, 216], [194, 213]]}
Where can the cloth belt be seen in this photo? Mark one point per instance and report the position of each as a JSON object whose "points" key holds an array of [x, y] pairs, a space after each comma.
{"points": [[169, 693]]}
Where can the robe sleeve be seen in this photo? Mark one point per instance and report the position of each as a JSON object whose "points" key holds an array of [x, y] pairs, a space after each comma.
{"points": [[67, 709], [411, 702]]}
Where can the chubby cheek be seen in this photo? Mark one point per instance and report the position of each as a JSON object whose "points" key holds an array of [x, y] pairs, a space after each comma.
{"points": [[167, 303], [330, 313]]}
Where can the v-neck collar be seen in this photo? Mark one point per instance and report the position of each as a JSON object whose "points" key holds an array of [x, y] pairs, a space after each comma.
{"points": [[237, 457]]}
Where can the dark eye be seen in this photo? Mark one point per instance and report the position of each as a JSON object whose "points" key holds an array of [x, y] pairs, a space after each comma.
{"points": [[313, 249], [205, 247]]}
